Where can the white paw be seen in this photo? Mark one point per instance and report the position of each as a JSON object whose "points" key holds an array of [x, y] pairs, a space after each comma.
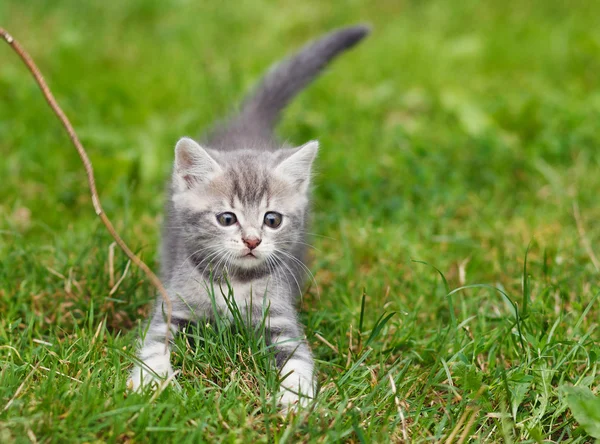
{"points": [[142, 377], [296, 392], [290, 401]]}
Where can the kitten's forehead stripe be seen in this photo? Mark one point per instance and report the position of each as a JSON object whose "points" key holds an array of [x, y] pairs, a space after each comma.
{"points": [[237, 190], [250, 186]]}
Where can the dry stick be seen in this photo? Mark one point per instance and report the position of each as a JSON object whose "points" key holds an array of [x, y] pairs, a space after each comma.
{"points": [[327, 343], [88, 169]]}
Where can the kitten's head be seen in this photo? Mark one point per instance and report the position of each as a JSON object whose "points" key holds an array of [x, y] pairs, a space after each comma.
{"points": [[244, 210]]}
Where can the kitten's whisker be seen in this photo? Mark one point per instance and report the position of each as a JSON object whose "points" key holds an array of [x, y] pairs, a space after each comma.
{"points": [[229, 262], [197, 267], [294, 238], [273, 269], [282, 262], [298, 242], [196, 252], [218, 265], [291, 256], [299, 262], [319, 235], [280, 276], [272, 275], [217, 271]]}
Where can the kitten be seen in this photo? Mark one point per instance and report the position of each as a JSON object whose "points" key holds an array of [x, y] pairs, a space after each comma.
{"points": [[237, 209]]}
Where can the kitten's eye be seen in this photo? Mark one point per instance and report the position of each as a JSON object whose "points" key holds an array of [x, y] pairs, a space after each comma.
{"points": [[226, 219], [273, 219]]}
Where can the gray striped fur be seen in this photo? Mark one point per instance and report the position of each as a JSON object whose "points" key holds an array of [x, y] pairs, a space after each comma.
{"points": [[242, 169]]}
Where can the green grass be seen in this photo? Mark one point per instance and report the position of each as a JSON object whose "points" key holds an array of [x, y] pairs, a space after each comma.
{"points": [[455, 143]]}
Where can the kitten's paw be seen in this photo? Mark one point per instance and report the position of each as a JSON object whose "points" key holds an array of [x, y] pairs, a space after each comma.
{"points": [[141, 377], [291, 402], [295, 394]]}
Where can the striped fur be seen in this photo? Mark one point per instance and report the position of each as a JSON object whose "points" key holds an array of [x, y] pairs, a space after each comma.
{"points": [[241, 169]]}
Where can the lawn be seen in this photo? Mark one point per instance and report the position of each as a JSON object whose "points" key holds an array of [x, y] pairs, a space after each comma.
{"points": [[456, 270]]}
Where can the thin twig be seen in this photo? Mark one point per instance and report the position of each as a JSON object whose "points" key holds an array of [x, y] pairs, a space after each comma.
{"points": [[584, 239], [88, 168], [327, 343]]}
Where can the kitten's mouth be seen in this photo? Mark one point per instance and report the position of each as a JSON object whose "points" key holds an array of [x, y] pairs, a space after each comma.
{"points": [[249, 255]]}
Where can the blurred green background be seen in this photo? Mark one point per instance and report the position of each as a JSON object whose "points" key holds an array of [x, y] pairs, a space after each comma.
{"points": [[457, 134]]}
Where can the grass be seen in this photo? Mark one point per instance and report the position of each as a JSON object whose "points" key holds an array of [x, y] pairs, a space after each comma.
{"points": [[458, 296]]}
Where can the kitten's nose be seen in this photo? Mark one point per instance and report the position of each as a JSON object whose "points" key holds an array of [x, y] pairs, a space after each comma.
{"points": [[251, 242]]}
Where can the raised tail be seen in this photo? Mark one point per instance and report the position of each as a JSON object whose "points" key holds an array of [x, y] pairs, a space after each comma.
{"points": [[261, 110]]}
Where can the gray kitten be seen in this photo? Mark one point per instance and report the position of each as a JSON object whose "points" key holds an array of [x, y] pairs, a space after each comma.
{"points": [[237, 209]]}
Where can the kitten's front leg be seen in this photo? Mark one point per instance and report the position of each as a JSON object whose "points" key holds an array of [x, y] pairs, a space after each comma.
{"points": [[295, 363], [155, 352]]}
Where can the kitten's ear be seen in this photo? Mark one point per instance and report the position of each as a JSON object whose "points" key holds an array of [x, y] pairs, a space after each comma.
{"points": [[297, 166], [193, 164]]}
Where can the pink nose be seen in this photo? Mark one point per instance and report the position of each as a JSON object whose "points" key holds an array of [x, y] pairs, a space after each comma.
{"points": [[252, 242]]}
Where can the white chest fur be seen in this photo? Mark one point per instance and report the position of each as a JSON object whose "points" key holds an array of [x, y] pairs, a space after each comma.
{"points": [[243, 295]]}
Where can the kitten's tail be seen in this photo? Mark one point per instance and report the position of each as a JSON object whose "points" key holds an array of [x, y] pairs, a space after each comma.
{"points": [[262, 109]]}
